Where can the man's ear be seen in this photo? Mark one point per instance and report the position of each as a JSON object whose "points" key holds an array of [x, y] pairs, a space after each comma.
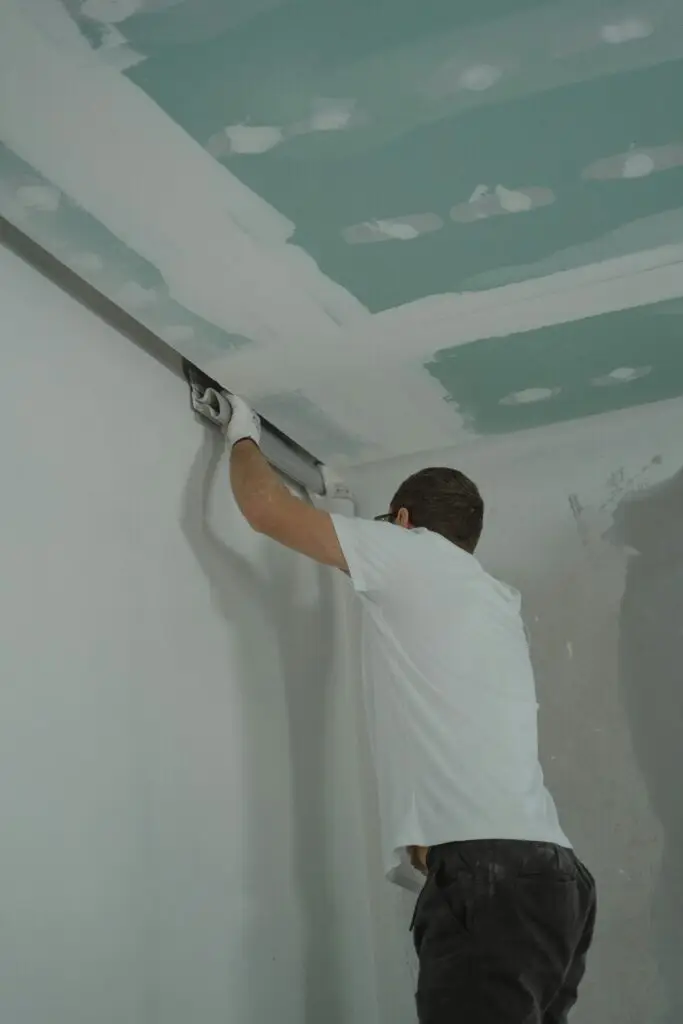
{"points": [[403, 519]]}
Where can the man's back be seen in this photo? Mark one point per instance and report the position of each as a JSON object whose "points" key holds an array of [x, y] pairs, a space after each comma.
{"points": [[450, 694]]}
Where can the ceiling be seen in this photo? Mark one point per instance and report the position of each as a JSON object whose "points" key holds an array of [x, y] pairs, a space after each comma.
{"points": [[394, 226]]}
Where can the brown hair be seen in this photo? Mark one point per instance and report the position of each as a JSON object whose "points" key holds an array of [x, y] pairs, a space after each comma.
{"points": [[445, 501]]}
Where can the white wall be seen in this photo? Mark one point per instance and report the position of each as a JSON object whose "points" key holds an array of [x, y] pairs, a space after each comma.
{"points": [[187, 817], [179, 789], [609, 680]]}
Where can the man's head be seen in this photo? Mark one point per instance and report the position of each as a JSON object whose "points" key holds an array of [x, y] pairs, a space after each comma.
{"points": [[442, 500]]}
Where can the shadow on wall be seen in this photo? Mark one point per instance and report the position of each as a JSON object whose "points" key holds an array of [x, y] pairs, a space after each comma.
{"points": [[304, 637], [650, 523]]}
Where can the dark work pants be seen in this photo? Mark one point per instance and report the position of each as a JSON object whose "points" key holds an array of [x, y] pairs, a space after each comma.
{"points": [[501, 930]]}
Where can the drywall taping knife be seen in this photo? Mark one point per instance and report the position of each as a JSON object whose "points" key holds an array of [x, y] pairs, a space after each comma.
{"points": [[280, 450]]}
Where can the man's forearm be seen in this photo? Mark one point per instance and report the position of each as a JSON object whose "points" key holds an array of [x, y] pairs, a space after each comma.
{"points": [[264, 501], [271, 509], [258, 490]]}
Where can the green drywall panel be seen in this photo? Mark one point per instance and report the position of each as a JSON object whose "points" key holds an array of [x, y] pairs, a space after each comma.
{"points": [[572, 361]]}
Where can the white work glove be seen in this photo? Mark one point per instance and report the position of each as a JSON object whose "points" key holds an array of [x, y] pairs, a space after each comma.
{"points": [[233, 415]]}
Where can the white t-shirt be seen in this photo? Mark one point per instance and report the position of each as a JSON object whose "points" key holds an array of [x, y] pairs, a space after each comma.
{"points": [[449, 693]]}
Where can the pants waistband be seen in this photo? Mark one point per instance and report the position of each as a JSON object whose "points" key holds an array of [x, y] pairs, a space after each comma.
{"points": [[515, 853]]}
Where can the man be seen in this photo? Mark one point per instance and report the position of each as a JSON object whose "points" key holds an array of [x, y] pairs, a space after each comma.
{"points": [[506, 915]]}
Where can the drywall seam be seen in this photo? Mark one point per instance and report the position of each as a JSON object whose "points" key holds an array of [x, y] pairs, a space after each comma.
{"points": [[445, 321], [221, 249], [417, 330], [102, 140], [224, 253], [641, 235], [169, 201]]}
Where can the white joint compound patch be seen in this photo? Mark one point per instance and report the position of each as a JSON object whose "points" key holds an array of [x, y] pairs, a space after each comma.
{"points": [[480, 77], [244, 138], [638, 165], [485, 202], [530, 395], [626, 31], [330, 115], [622, 375], [401, 229]]}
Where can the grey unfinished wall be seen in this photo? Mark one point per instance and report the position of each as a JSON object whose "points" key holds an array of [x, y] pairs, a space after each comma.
{"points": [[179, 789], [587, 520]]}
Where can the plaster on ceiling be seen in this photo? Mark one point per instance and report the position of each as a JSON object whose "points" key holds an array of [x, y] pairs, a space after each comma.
{"points": [[218, 168]]}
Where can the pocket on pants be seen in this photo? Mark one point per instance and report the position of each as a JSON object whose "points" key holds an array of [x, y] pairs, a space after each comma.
{"points": [[458, 894], [443, 918]]}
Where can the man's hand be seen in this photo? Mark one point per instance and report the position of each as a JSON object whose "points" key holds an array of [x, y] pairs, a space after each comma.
{"points": [[233, 415]]}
